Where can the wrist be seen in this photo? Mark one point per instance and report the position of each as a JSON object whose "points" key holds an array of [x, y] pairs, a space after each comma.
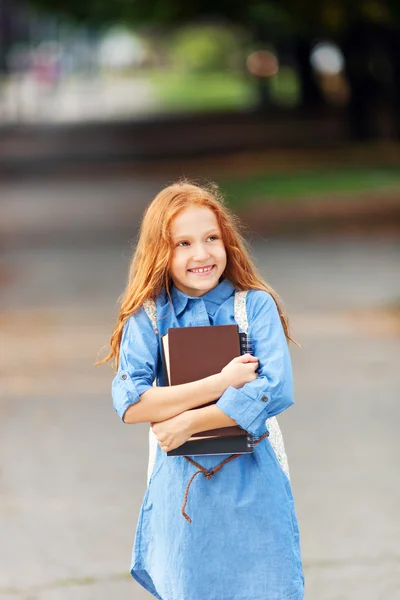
{"points": [[220, 382], [190, 421]]}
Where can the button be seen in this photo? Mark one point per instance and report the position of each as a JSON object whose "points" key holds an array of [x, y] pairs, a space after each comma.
{"points": [[264, 398], [124, 376]]}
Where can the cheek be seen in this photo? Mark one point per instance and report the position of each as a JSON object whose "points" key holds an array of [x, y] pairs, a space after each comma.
{"points": [[177, 265], [221, 254]]}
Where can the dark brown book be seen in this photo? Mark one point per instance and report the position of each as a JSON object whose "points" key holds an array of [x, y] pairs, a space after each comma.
{"points": [[192, 353]]}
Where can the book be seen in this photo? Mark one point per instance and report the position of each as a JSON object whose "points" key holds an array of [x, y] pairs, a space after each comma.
{"points": [[192, 353]]}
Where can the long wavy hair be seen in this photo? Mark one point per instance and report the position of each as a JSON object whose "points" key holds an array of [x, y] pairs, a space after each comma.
{"points": [[149, 270]]}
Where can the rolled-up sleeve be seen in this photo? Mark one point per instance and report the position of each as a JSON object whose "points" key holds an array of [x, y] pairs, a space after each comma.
{"points": [[138, 362], [272, 391]]}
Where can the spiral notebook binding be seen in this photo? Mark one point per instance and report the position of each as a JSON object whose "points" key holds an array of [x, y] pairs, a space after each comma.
{"points": [[250, 441], [246, 344]]}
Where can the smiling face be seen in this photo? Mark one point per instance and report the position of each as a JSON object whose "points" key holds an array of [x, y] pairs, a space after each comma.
{"points": [[198, 255]]}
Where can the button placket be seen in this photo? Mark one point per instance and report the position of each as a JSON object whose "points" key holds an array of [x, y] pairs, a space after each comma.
{"points": [[200, 312]]}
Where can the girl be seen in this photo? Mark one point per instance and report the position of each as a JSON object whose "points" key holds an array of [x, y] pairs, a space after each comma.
{"points": [[241, 540]]}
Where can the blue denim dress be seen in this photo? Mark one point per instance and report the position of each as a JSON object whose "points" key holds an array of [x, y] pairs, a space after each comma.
{"points": [[243, 541]]}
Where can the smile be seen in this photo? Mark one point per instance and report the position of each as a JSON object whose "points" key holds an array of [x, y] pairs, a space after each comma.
{"points": [[202, 270]]}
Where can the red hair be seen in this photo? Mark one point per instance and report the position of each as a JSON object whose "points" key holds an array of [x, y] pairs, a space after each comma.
{"points": [[149, 270]]}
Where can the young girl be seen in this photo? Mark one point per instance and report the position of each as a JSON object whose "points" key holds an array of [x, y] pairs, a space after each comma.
{"points": [[241, 540]]}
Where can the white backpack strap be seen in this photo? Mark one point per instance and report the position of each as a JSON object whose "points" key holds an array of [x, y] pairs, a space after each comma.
{"points": [[151, 311], [240, 311], [152, 454], [275, 434], [276, 440]]}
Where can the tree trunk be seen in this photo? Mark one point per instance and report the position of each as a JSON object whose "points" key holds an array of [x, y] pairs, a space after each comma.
{"points": [[5, 33], [373, 75], [312, 98]]}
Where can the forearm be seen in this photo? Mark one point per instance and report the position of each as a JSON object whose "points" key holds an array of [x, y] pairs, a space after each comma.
{"points": [[209, 417], [161, 403], [256, 402]]}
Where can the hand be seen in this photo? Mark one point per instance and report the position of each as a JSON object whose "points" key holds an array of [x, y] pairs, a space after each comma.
{"points": [[240, 370], [173, 432]]}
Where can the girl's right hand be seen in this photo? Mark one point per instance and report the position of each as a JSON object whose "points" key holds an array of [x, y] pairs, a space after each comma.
{"points": [[240, 370]]}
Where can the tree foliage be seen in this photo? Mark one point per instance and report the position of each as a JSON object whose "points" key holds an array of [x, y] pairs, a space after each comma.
{"points": [[281, 16]]}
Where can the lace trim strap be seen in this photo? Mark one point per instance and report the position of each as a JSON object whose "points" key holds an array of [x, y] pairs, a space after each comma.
{"points": [[151, 310], [240, 311]]}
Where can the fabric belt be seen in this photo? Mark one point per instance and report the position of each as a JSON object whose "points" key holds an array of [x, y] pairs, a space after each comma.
{"points": [[209, 474]]}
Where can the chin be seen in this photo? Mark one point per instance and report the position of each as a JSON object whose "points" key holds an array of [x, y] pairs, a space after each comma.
{"points": [[199, 286], [206, 285]]}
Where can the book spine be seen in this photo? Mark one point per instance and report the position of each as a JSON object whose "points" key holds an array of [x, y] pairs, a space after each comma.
{"points": [[164, 365]]}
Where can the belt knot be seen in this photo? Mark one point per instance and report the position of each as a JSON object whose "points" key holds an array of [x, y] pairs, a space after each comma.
{"points": [[209, 474]]}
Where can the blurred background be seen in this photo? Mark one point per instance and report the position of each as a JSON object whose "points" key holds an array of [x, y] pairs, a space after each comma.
{"points": [[293, 108]]}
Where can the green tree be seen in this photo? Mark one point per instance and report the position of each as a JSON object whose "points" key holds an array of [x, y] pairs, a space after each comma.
{"points": [[307, 16], [366, 30]]}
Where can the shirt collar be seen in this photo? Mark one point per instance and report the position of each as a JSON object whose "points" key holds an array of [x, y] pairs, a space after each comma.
{"points": [[212, 299]]}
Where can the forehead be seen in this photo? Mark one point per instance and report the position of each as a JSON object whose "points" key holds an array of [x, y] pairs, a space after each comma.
{"points": [[194, 220]]}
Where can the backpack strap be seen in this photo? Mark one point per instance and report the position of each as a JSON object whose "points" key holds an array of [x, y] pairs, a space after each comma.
{"points": [[150, 308], [275, 434], [240, 311]]}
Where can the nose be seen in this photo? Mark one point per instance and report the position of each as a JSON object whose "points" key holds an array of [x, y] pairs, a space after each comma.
{"points": [[201, 252]]}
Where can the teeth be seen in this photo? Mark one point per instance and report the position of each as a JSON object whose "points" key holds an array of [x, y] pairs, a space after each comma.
{"points": [[201, 270]]}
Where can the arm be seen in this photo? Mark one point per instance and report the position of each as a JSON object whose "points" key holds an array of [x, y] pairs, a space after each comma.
{"points": [[272, 392], [209, 417], [236, 373], [134, 397], [174, 432], [162, 403]]}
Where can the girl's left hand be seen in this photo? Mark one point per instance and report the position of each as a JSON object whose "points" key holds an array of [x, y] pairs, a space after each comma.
{"points": [[173, 432]]}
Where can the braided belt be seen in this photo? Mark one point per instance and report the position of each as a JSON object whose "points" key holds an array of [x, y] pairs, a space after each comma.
{"points": [[209, 474]]}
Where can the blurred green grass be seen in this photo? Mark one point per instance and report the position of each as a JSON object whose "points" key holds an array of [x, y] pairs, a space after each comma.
{"points": [[203, 91], [222, 90], [290, 187]]}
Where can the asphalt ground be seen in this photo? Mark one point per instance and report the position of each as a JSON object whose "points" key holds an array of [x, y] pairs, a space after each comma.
{"points": [[73, 476]]}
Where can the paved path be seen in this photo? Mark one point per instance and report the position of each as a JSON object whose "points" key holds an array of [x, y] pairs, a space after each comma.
{"points": [[72, 476]]}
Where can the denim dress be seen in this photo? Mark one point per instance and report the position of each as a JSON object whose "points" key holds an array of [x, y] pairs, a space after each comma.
{"points": [[243, 539]]}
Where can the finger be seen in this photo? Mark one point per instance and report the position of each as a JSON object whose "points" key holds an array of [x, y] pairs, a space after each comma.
{"points": [[237, 359], [247, 358], [251, 367]]}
